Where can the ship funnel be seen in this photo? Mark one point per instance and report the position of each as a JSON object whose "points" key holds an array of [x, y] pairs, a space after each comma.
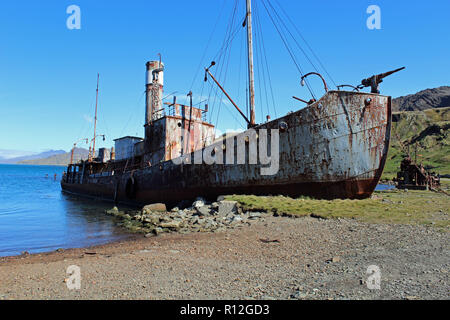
{"points": [[154, 82]]}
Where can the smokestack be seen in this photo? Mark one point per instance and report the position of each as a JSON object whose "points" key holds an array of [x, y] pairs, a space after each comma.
{"points": [[154, 90]]}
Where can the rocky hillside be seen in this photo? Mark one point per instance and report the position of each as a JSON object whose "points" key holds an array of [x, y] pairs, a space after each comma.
{"points": [[425, 131], [61, 159], [425, 99]]}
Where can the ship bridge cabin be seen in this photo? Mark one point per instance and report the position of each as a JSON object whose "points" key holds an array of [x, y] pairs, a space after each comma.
{"points": [[180, 131], [171, 130]]}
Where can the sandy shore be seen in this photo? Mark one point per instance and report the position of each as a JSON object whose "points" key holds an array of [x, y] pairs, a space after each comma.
{"points": [[277, 258]]}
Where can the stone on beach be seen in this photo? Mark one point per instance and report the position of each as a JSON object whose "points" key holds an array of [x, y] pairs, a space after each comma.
{"points": [[201, 216], [227, 207], [113, 211], [158, 207]]}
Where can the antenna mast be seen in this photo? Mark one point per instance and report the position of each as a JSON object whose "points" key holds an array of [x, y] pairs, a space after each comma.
{"points": [[251, 79], [95, 119]]}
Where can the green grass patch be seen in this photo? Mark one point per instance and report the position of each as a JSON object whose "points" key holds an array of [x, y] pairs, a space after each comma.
{"points": [[397, 207]]}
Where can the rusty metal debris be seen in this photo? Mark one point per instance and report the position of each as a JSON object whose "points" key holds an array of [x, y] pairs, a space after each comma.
{"points": [[413, 176]]}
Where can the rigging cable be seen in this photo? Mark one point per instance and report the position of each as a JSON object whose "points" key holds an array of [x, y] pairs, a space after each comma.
{"points": [[307, 44], [292, 36], [262, 55], [207, 46], [258, 70], [267, 67], [289, 50], [132, 114], [224, 66]]}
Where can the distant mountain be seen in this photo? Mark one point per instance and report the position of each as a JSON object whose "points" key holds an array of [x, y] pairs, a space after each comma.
{"points": [[422, 100], [6, 154], [59, 159], [11, 156]]}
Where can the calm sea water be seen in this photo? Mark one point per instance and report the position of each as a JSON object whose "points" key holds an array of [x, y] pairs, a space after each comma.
{"points": [[382, 187], [35, 216]]}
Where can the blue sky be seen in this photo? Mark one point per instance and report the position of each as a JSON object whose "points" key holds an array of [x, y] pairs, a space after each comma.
{"points": [[48, 72]]}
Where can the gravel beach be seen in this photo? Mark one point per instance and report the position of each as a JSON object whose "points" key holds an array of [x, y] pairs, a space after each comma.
{"points": [[270, 258]]}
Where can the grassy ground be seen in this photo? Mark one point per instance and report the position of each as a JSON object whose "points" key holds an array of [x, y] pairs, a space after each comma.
{"points": [[411, 207], [415, 129]]}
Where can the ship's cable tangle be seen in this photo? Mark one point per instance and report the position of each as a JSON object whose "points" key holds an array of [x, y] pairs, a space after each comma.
{"points": [[132, 113], [199, 67], [220, 102], [281, 21], [232, 112], [300, 47], [216, 93], [83, 129], [240, 69], [224, 69], [306, 42], [226, 64], [278, 22], [228, 34], [225, 45], [105, 123], [201, 91], [284, 34], [266, 64], [259, 69], [261, 56], [229, 45], [213, 90], [209, 99], [289, 50]]}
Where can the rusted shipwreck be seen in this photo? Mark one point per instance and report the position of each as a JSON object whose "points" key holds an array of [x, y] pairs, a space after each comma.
{"points": [[335, 147], [414, 176]]}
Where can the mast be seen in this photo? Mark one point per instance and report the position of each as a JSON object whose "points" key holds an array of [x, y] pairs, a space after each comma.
{"points": [[251, 80], [95, 119]]}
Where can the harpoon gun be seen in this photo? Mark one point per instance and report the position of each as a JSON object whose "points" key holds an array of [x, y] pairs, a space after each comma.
{"points": [[375, 80]]}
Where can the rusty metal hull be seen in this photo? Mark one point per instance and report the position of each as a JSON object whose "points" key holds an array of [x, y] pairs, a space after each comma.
{"points": [[334, 148]]}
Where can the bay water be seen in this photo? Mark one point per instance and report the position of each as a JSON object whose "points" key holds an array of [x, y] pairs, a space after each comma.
{"points": [[35, 216]]}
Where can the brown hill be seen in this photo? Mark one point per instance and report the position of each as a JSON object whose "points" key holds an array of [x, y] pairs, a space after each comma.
{"points": [[59, 159], [422, 100]]}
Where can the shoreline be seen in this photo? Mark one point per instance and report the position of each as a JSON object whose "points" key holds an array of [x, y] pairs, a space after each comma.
{"points": [[380, 196], [275, 258], [69, 252]]}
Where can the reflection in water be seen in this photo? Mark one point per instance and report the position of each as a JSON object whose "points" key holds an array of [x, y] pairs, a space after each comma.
{"points": [[35, 216]]}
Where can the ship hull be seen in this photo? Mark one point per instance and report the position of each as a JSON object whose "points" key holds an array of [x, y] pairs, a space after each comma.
{"points": [[334, 148]]}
